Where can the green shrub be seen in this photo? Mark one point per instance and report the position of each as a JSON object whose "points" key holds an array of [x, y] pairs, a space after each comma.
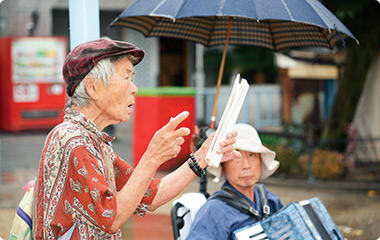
{"points": [[326, 164], [287, 152], [288, 160]]}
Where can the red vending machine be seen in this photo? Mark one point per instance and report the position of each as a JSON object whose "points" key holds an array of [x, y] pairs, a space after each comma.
{"points": [[32, 90], [154, 108]]}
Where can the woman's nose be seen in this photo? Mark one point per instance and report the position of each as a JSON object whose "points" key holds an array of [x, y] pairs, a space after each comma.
{"points": [[134, 88]]}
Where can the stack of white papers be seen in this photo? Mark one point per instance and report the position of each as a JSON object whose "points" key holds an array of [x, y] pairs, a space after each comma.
{"points": [[228, 120]]}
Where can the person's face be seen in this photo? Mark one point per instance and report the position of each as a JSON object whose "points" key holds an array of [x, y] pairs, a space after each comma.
{"points": [[118, 97], [243, 173]]}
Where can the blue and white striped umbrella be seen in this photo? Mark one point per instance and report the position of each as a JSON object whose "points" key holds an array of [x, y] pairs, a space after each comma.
{"points": [[272, 24]]}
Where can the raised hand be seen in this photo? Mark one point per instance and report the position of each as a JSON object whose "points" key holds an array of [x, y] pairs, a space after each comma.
{"points": [[225, 148], [166, 142]]}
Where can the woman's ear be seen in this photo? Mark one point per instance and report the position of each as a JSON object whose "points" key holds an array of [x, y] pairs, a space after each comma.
{"points": [[92, 87]]}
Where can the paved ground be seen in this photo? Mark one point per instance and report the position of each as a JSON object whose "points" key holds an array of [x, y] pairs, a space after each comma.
{"points": [[354, 205]]}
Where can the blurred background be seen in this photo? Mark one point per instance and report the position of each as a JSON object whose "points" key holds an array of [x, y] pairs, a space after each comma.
{"points": [[319, 109]]}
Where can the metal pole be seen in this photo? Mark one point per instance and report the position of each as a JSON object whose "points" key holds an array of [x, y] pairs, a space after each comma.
{"points": [[310, 144], [220, 76], [84, 21], [1, 173], [1, 28], [199, 81]]}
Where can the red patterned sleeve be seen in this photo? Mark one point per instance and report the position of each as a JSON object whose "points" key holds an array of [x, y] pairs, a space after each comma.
{"points": [[123, 171]]}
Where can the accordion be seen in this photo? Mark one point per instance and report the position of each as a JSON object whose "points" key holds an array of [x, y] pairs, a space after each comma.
{"points": [[302, 220]]}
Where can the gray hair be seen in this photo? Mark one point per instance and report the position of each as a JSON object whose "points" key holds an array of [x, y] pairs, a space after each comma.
{"points": [[101, 73]]}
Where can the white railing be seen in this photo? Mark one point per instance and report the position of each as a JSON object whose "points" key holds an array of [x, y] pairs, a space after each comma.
{"points": [[262, 106]]}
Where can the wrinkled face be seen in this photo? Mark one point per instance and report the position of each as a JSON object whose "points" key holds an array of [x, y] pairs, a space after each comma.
{"points": [[118, 97], [243, 173]]}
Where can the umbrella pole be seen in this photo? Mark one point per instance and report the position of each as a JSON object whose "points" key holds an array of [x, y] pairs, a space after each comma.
{"points": [[221, 69]]}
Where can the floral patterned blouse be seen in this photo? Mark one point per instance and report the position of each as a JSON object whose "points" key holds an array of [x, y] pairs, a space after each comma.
{"points": [[75, 184]]}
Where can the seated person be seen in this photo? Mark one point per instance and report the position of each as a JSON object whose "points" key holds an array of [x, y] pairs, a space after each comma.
{"points": [[218, 220]]}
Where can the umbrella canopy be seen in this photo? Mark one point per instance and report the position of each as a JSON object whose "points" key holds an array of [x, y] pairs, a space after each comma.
{"points": [[272, 24]]}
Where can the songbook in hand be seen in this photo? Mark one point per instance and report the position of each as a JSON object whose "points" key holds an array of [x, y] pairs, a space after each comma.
{"points": [[228, 120]]}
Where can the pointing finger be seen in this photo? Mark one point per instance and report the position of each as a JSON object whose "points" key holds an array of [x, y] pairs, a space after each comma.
{"points": [[174, 122]]}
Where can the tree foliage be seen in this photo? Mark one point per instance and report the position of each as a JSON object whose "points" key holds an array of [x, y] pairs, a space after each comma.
{"points": [[363, 19]]}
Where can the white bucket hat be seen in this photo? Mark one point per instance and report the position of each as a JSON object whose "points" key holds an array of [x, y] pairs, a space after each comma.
{"points": [[248, 140]]}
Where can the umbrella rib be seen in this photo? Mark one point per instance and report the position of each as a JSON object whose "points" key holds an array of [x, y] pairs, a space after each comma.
{"points": [[157, 7], [257, 12], [319, 13], [220, 8], [272, 35], [287, 9], [327, 39]]}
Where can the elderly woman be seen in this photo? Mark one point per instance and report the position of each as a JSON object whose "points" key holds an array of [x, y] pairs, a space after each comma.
{"points": [[82, 184]]}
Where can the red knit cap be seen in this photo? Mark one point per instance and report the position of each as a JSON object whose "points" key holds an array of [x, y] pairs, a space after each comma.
{"points": [[83, 58]]}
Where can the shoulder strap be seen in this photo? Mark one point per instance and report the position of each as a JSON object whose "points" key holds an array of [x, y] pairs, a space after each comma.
{"points": [[238, 202], [263, 199]]}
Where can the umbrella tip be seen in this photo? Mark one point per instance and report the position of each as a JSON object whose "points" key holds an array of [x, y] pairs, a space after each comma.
{"points": [[112, 23]]}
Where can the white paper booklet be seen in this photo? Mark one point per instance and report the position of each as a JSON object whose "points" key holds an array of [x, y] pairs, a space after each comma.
{"points": [[228, 120]]}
